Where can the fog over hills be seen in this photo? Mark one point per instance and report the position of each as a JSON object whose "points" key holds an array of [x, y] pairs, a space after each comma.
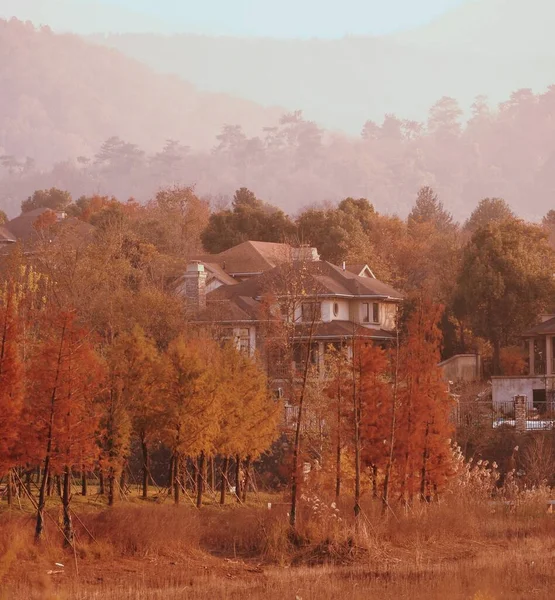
{"points": [[504, 28], [81, 16], [489, 47], [61, 97]]}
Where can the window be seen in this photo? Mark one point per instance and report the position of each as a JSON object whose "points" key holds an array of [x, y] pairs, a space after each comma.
{"points": [[311, 311], [239, 338], [244, 341], [365, 312], [335, 309], [376, 312]]}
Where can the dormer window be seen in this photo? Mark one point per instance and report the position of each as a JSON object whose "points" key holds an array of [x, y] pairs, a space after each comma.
{"points": [[376, 312], [335, 309]]}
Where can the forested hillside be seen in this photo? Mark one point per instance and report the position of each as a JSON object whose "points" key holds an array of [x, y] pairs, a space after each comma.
{"points": [[508, 152], [61, 97], [489, 47]]}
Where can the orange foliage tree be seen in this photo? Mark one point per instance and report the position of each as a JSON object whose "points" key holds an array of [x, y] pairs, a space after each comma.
{"points": [[64, 378], [11, 384]]}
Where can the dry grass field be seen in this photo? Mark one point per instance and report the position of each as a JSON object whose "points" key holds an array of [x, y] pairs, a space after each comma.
{"points": [[146, 551]]}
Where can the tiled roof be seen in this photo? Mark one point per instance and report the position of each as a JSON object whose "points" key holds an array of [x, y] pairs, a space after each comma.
{"points": [[6, 236], [218, 272], [344, 329], [544, 328], [249, 257], [23, 228], [320, 278]]}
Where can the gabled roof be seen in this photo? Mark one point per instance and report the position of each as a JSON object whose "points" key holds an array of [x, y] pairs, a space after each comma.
{"points": [[216, 271], [6, 236], [361, 269], [545, 328], [249, 257], [321, 278], [23, 227]]}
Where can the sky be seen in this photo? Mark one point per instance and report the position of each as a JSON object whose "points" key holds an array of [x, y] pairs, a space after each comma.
{"points": [[291, 18]]}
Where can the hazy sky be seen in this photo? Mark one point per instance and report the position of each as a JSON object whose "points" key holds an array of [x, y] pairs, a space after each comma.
{"points": [[292, 18]]}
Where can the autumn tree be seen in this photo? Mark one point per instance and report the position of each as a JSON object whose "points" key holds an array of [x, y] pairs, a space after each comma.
{"points": [[423, 427], [11, 381], [489, 211], [248, 219], [137, 362], [174, 221], [53, 198], [429, 209], [64, 377], [193, 405], [505, 281]]}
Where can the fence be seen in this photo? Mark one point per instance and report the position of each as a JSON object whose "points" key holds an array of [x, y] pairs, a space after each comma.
{"points": [[519, 413]]}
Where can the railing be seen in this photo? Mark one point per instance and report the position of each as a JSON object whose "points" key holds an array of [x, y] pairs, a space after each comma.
{"points": [[529, 416]]}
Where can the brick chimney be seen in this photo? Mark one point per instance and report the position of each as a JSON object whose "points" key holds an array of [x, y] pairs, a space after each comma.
{"points": [[195, 286]]}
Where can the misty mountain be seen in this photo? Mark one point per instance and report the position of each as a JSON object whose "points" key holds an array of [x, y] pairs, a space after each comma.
{"points": [[503, 28], [61, 97], [484, 47], [81, 16]]}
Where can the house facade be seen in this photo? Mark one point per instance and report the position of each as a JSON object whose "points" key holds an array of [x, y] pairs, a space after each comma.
{"points": [[538, 383], [238, 292]]}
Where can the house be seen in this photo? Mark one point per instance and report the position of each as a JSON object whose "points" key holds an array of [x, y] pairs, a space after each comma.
{"points": [[7, 239], [23, 227], [249, 259], [538, 384], [323, 303]]}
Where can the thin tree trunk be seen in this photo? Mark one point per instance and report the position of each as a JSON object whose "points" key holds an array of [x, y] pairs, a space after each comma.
{"points": [[194, 475], [223, 483], [497, 358], [101, 487], [374, 481], [393, 425], [297, 445], [238, 478], [356, 413], [111, 486], [176, 479], [211, 472], [49, 486], [338, 441], [66, 498], [39, 528], [247, 477], [59, 486], [9, 487], [171, 471], [200, 479], [146, 467], [122, 482], [424, 470], [28, 475], [84, 484]]}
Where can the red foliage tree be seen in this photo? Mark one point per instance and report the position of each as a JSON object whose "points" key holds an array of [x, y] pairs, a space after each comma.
{"points": [[11, 383], [65, 376]]}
